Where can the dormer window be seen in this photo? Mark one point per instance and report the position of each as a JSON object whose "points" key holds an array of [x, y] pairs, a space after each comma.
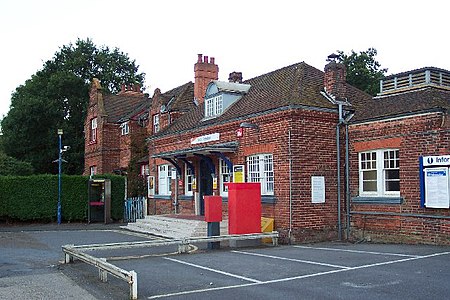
{"points": [[220, 96], [213, 106], [125, 128]]}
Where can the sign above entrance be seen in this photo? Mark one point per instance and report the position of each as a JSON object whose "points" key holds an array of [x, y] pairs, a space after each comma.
{"points": [[205, 138]]}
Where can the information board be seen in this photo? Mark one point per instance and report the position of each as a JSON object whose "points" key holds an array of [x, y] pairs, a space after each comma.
{"points": [[437, 187]]}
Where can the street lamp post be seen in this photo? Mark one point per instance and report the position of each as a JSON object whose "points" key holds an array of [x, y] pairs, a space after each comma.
{"points": [[60, 133]]}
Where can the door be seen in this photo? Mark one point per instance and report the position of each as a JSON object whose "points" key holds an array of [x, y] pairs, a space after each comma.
{"points": [[206, 184]]}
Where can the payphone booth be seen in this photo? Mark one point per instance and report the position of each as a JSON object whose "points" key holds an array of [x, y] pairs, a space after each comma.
{"points": [[99, 200], [435, 181]]}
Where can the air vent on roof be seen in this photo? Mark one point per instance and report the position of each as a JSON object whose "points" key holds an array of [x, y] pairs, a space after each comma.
{"points": [[415, 79]]}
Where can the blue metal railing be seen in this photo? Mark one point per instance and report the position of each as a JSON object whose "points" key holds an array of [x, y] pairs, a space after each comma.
{"points": [[133, 209]]}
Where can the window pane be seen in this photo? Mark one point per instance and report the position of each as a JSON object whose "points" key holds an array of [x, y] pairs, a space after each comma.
{"points": [[370, 175], [392, 174], [392, 180], [369, 181], [392, 186], [369, 186]]}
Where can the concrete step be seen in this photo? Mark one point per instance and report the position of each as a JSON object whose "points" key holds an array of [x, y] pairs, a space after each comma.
{"points": [[172, 227]]}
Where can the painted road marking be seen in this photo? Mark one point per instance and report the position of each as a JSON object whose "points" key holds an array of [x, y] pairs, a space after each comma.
{"points": [[296, 277], [213, 270], [358, 251], [292, 259]]}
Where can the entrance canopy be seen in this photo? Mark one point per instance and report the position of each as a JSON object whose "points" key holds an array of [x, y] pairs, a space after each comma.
{"points": [[201, 152], [204, 150]]}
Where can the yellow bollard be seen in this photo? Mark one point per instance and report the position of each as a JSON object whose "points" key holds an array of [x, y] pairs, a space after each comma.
{"points": [[267, 226]]}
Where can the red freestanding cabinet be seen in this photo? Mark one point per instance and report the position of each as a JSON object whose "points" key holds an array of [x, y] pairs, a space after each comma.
{"points": [[213, 208], [244, 208]]}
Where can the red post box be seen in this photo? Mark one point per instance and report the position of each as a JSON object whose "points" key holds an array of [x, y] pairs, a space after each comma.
{"points": [[213, 208], [244, 208]]}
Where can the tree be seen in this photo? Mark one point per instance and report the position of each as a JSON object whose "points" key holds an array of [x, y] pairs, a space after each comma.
{"points": [[11, 166], [57, 97], [363, 70]]}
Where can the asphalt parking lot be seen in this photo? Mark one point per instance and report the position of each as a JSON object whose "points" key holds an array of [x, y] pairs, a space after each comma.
{"points": [[30, 267]]}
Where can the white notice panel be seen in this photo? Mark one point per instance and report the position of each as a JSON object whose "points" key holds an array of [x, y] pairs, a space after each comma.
{"points": [[437, 188], [317, 189]]}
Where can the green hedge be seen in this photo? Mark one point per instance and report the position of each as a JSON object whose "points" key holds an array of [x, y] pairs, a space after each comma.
{"points": [[35, 198]]}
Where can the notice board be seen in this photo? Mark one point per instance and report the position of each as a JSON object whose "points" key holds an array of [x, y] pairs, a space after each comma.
{"points": [[437, 187], [434, 173]]}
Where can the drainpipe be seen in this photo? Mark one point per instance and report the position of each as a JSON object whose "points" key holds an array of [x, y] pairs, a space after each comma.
{"points": [[338, 159], [290, 186], [347, 180]]}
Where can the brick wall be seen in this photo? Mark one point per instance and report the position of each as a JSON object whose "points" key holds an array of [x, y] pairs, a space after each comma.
{"points": [[111, 150], [313, 147], [407, 222]]}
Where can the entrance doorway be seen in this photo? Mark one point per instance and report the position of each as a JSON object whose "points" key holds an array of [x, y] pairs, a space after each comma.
{"points": [[206, 184]]}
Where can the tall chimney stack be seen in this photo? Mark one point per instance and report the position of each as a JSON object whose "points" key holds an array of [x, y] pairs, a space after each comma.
{"points": [[334, 79], [205, 71]]}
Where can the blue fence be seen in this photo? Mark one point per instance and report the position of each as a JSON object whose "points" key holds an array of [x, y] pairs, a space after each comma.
{"points": [[134, 209]]}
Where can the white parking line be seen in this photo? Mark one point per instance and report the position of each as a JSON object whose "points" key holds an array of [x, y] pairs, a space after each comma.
{"points": [[358, 251], [293, 278], [293, 259], [213, 270]]}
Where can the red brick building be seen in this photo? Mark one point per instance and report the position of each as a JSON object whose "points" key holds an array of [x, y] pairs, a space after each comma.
{"points": [[114, 123], [331, 160], [278, 129], [407, 120]]}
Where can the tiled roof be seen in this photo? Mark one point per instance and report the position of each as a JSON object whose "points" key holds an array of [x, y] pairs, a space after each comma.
{"points": [[138, 111], [409, 102], [122, 106], [298, 84], [301, 85], [180, 98]]}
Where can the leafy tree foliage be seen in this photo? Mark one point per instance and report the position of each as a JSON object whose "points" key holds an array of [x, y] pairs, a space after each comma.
{"points": [[57, 97], [363, 70], [11, 166]]}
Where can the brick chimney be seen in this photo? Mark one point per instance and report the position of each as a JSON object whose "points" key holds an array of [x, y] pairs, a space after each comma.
{"points": [[235, 77], [132, 90], [334, 79], [205, 71]]}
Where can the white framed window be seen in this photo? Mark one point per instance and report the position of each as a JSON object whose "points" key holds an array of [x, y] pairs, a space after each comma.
{"points": [[156, 123], [213, 106], [125, 128], [225, 177], [379, 173], [164, 180], [188, 180], [260, 169], [93, 132], [145, 171]]}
